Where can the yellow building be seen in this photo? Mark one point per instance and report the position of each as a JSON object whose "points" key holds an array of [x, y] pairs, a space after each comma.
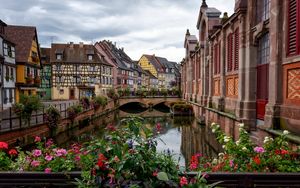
{"points": [[153, 65], [27, 59]]}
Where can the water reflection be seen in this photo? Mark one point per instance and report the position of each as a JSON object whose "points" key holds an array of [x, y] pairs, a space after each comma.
{"points": [[182, 136]]}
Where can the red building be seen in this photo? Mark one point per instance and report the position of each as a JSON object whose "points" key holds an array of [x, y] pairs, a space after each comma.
{"points": [[246, 67]]}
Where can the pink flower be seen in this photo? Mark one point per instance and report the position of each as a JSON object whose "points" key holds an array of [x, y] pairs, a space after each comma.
{"points": [[77, 158], [49, 142], [37, 139], [48, 158], [259, 149], [48, 170], [35, 163], [37, 153], [183, 181], [231, 164], [61, 152]]}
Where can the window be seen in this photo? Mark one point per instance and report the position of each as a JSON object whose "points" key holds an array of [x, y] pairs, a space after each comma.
{"points": [[58, 56], [10, 95], [236, 49], [5, 49], [229, 52], [217, 58], [262, 10], [264, 50], [12, 74], [5, 97], [293, 28], [90, 57]]}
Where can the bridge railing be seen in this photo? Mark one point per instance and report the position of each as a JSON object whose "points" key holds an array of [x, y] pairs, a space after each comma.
{"points": [[10, 121]]}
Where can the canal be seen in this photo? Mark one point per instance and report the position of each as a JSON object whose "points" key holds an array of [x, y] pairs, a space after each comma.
{"points": [[180, 136]]}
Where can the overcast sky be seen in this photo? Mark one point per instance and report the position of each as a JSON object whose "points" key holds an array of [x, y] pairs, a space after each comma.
{"points": [[140, 26]]}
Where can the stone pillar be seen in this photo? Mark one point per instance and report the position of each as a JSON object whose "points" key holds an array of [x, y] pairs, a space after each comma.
{"points": [[275, 68]]}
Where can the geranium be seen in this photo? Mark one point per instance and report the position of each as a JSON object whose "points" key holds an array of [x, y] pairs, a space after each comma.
{"points": [[37, 153], [48, 157], [259, 149], [37, 139], [183, 181], [3, 145], [48, 170], [35, 163], [13, 152], [60, 152]]}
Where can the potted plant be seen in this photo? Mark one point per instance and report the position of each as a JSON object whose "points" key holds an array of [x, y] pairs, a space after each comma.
{"points": [[99, 101], [26, 106], [29, 79], [52, 116], [37, 80], [73, 111]]}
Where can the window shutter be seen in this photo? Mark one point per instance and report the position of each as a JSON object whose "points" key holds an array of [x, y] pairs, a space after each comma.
{"points": [[216, 59], [293, 27], [219, 58], [229, 52], [236, 49]]}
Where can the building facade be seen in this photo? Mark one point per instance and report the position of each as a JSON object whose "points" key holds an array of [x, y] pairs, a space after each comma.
{"points": [[76, 71], [46, 73], [246, 67], [27, 59]]}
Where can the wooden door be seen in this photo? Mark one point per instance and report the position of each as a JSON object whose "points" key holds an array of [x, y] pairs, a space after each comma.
{"points": [[262, 91], [72, 94]]}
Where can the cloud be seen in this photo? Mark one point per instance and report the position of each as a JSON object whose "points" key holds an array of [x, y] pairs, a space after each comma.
{"points": [[140, 26]]}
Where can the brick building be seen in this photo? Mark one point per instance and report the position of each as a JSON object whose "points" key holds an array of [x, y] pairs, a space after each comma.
{"points": [[246, 67]]}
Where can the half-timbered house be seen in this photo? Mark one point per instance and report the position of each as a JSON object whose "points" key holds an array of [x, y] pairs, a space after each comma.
{"points": [[76, 71], [46, 79]]}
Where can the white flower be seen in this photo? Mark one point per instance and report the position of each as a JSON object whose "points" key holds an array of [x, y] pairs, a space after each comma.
{"points": [[286, 132], [215, 161], [221, 154], [237, 142], [241, 125], [213, 124], [267, 139], [218, 126], [223, 146], [213, 130], [226, 140], [244, 148]]}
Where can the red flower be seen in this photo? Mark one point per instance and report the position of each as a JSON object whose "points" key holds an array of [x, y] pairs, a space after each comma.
{"points": [[37, 139], [256, 159], [155, 173], [13, 152], [3, 145], [158, 127], [183, 181], [110, 127], [101, 161]]}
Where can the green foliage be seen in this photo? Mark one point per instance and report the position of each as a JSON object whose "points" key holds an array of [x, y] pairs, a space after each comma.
{"points": [[112, 94], [244, 156], [164, 92], [27, 105], [52, 115], [74, 110], [153, 91], [126, 91], [99, 101]]}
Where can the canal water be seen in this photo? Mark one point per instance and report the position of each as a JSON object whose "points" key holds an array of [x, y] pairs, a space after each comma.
{"points": [[180, 136]]}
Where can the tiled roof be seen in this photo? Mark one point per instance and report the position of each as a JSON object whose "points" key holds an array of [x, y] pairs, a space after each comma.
{"points": [[73, 53], [150, 74], [45, 54], [155, 63], [22, 36]]}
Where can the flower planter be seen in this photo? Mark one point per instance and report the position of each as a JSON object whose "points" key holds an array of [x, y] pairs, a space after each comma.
{"points": [[67, 179]]}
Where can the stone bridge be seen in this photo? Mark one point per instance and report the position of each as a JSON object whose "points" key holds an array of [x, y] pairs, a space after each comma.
{"points": [[148, 101]]}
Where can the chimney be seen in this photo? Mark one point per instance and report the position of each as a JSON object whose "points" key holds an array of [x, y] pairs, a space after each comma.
{"points": [[81, 44], [187, 32], [204, 5], [71, 44], [122, 49]]}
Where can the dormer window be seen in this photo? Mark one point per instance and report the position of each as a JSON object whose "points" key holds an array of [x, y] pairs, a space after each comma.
{"points": [[90, 57], [58, 56]]}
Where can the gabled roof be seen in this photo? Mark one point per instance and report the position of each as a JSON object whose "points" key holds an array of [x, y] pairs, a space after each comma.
{"points": [[73, 53], [150, 74], [152, 59], [22, 36], [45, 54]]}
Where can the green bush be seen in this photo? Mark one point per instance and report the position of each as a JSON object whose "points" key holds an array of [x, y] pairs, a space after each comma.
{"points": [[27, 105], [99, 101]]}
